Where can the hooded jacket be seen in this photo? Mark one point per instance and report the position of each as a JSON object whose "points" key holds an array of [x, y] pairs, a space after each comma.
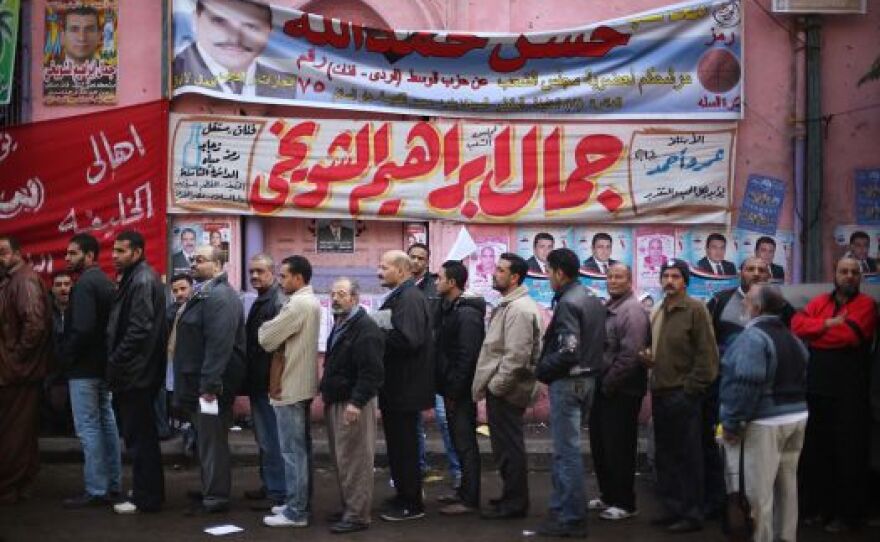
{"points": [[460, 332]]}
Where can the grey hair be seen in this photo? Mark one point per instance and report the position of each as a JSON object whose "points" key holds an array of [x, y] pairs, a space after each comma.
{"points": [[628, 269], [768, 298], [354, 287], [265, 258]]}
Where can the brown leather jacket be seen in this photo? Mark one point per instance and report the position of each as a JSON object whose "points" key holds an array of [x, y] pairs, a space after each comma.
{"points": [[25, 327]]}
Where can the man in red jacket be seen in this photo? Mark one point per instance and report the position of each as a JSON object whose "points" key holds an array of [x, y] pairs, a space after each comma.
{"points": [[839, 329]]}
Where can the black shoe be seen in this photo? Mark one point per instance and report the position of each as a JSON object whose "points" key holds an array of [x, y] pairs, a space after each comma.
{"points": [[402, 513], [502, 513], [664, 521], [345, 526], [563, 529], [256, 494], [335, 517], [452, 498], [199, 509], [684, 526], [85, 500]]}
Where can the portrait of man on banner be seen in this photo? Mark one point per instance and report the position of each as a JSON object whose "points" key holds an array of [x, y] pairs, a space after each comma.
{"points": [[225, 54], [80, 57]]}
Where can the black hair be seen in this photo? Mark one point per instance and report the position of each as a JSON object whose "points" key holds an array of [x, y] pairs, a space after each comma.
{"points": [[298, 265], [859, 235], [543, 235], [455, 270], [268, 11], [87, 243], [599, 237], [81, 10], [135, 239], [764, 240], [716, 237], [13, 242], [61, 273], [187, 230], [181, 276], [422, 246], [565, 260], [518, 265]]}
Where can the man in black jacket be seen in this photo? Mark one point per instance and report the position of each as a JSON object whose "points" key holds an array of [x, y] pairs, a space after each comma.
{"points": [[461, 329], [84, 357], [352, 376], [266, 306], [209, 367], [570, 361], [409, 381], [135, 359]]}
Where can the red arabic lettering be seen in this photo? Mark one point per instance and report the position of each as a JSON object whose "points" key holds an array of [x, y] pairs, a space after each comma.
{"points": [[505, 204], [602, 40], [278, 187], [341, 170], [579, 186]]}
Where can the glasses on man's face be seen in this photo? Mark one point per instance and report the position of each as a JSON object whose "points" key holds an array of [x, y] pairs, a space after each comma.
{"points": [[339, 294]]}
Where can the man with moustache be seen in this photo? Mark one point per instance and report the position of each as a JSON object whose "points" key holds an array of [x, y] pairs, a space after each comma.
{"points": [[265, 307], [505, 378], [352, 377], [181, 291], [839, 329], [622, 384], [135, 363], [409, 381], [25, 355], [209, 366], [181, 261], [84, 359], [685, 361]]}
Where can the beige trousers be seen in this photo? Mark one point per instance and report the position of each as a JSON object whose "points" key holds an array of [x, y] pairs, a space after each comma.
{"points": [[352, 448]]}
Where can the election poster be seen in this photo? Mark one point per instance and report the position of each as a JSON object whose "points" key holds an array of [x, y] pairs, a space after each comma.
{"points": [[8, 39]]}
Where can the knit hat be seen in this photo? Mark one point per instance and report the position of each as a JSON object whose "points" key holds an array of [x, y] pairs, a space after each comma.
{"points": [[681, 265]]}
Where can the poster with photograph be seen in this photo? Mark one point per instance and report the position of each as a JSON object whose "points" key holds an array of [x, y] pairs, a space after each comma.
{"points": [[708, 249], [868, 256], [654, 246], [80, 53], [776, 250], [414, 232], [481, 265], [221, 232], [534, 243], [335, 235], [599, 247]]}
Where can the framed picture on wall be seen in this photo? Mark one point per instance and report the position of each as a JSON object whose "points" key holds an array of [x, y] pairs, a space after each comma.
{"points": [[335, 235]]}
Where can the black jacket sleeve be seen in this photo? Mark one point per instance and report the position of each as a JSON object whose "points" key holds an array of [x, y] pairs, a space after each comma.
{"points": [[139, 329], [370, 371], [83, 320], [562, 352], [470, 340], [409, 322]]}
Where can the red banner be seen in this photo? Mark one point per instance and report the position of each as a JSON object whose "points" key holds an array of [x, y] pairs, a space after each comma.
{"points": [[100, 174]]}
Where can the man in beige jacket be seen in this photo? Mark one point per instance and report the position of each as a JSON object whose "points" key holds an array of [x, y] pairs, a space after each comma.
{"points": [[505, 378], [293, 383]]}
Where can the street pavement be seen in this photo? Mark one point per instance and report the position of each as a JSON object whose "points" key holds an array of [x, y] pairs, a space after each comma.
{"points": [[42, 518]]}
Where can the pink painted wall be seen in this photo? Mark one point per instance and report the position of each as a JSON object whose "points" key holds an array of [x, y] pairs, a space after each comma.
{"points": [[140, 58]]}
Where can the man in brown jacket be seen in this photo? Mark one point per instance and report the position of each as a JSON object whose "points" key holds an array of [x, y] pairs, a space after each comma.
{"points": [[25, 350], [685, 362], [505, 378]]}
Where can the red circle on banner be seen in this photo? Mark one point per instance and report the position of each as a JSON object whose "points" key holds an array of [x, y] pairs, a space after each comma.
{"points": [[718, 70]]}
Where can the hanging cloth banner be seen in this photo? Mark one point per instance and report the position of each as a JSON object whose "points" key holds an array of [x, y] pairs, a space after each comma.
{"points": [[677, 62], [452, 170], [8, 38], [100, 173]]}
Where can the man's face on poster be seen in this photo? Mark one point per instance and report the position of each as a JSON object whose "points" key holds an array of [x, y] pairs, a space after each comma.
{"points": [[715, 249], [188, 241], [80, 36], [655, 248], [602, 250], [542, 249], [487, 259], [234, 33], [859, 247], [766, 251]]}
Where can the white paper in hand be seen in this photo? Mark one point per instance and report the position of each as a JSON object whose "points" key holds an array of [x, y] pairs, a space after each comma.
{"points": [[209, 407], [382, 318]]}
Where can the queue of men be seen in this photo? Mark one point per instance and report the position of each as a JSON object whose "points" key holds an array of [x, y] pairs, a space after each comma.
{"points": [[779, 382]]}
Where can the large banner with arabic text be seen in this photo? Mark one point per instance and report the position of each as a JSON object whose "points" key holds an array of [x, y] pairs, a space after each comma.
{"points": [[452, 170], [683, 61], [100, 174]]}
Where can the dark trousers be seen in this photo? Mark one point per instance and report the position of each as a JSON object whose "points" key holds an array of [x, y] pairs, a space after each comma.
{"points": [[142, 441], [19, 432], [461, 415], [679, 454], [834, 463], [509, 450], [613, 443], [402, 443], [212, 445], [714, 487]]}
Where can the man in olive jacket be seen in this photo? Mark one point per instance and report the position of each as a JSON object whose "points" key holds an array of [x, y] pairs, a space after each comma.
{"points": [[209, 366], [685, 361], [135, 367], [505, 378]]}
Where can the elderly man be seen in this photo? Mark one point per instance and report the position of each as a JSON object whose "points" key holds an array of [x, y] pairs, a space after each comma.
{"points": [[293, 336], [409, 381], [622, 384], [570, 362], [135, 363], [839, 329], [209, 366], [352, 377], [764, 412], [505, 378], [267, 305], [25, 353], [84, 357], [685, 361]]}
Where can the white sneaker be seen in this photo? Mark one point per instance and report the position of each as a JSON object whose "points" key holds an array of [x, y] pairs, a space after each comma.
{"points": [[280, 520], [614, 513], [278, 509], [596, 504], [126, 507]]}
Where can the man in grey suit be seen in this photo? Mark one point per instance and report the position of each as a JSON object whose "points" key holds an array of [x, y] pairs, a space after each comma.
{"points": [[230, 36]]}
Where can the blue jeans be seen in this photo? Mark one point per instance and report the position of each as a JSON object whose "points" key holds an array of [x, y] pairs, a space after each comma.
{"points": [[293, 434], [443, 425], [570, 402], [266, 433], [96, 428]]}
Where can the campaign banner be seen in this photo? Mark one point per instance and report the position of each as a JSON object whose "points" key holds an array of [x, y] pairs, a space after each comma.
{"points": [[683, 61], [452, 170], [80, 53], [868, 197], [100, 174], [762, 204], [8, 39]]}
